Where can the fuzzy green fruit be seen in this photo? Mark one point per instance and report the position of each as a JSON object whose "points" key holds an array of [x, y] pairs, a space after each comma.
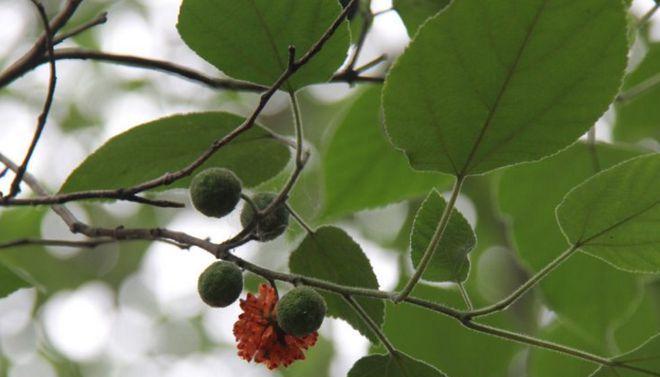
{"points": [[220, 284], [215, 192], [300, 312], [271, 226]]}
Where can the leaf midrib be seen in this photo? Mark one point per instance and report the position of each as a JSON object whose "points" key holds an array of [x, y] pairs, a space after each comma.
{"points": [[502, 91], [585, 241]]}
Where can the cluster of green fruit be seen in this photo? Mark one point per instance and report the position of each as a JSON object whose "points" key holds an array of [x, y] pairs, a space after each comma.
{"points": [[299, 312], [215, 192]]}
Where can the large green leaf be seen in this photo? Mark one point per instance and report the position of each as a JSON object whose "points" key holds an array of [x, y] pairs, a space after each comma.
{"points": [[150, 150], [361, 169], [615, 215], [443, 342], [450, 261], [249, 40], [394, 365], [639, 117], [646, 357], [331, 254], [415, 12], [11, 280], [576, 291], [486, 84]]}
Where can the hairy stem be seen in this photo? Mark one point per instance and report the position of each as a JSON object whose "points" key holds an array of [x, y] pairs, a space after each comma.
{"points": [[466, 296], [506, 302], [371, 324]]}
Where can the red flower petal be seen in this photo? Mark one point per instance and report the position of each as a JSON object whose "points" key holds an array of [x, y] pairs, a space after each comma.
{"points": [[260, 339]]}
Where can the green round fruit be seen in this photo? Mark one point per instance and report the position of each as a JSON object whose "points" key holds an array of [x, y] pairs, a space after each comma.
{"points": [[220, 284], [271, 226], [215, 192], [300, 312]]}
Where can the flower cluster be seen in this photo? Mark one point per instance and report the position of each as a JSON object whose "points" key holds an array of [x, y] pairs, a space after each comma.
{"points": [[261, 339]]}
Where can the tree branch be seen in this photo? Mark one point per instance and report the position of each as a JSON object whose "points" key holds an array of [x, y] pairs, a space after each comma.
{"points": [[86, 244], [506, 302], [371, 324], [37, 52], [43, 117], [209, 81], [158, 234], [98, 20]]}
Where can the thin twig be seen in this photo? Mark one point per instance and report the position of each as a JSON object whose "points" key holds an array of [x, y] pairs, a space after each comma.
{"points": [[43, 117], [465, 295], [209, 81], [368, 65], [507, 301], [157, 65], [98, 20], [371, 324], [84, 195], [37, 52], [647, 16], [299, 219], [91, 244], [366, 25], [87, 244], [639, 89]]}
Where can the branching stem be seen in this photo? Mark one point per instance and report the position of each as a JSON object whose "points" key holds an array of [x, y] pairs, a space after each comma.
{"points": [[506, 302]]}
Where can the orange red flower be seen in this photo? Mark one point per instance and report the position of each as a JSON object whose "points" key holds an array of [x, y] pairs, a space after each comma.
{"points": [[260, 338]]}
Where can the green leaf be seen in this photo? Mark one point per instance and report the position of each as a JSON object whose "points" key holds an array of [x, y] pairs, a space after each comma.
{"points": [[615, 215], [490, 84], [450, 261], [443, 342], [11, 280], [576, 291], [646, 357], [415, 12], [395, 365], [249, 40], [168, 144], [331, 254], [361, 169], [639, 117]]}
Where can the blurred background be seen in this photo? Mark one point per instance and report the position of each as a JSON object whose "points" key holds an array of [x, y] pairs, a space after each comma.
{"points": [[132, 309]]}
